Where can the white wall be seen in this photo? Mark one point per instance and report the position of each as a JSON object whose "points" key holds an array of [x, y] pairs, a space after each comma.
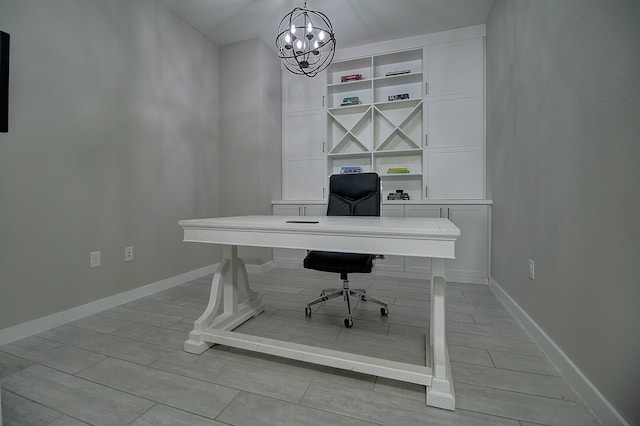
{"points": [[251, 133], [563, 151], [113, 137]]}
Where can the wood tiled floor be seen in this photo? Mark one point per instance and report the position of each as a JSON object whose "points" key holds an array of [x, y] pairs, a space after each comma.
{"points": [[126, 366]]}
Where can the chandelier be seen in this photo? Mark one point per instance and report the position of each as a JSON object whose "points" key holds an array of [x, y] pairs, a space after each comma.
{"points": [[305, 41]]}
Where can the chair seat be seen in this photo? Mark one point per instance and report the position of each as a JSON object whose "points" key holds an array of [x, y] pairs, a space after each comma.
{"points": [[329, 261]]}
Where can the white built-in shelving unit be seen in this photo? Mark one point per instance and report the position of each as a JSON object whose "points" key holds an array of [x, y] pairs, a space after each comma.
{"points": [[436, 131]]}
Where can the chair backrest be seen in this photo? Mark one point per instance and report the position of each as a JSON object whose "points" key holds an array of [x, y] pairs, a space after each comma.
{"points": [[354, 195]]}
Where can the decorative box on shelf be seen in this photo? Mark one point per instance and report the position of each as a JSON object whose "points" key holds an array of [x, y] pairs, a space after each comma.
{"points": [[398, 195], [350, 77], [399, 97]]}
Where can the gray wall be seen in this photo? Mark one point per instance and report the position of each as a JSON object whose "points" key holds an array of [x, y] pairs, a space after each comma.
{"points": [[563, 152], [250, 133], [113, 138]]}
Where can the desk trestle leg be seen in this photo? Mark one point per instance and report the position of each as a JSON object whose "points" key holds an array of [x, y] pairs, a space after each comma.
{"points": [[440, 393], [229, 288]]}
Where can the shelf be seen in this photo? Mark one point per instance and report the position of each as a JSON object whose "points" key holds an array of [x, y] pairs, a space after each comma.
{"points": [[378, 134], [412, 160], [398, 125], [349, 116], [399, 175], [349, 144], [348, 109], [348, 85], [398, 151], [348, 67], [349, 154], [407, 60], [336, 162], [402, 103], [349, 130], [336, 93], [399, 86], [398, 112], [397, 80]]}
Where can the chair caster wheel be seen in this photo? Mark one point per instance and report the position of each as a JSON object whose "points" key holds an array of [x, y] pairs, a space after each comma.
{"points": [[348, 323], [307, 311], [384, 312]]}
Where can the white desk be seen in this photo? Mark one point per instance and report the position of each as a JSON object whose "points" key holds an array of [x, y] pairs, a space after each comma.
{"points": [[423, 237]]}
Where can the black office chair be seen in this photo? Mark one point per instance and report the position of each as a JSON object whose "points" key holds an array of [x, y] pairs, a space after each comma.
{"points": [[349, 195]]}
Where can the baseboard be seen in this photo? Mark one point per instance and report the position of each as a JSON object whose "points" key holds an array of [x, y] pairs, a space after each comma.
{"points": [[39, 325], [594, 400]]}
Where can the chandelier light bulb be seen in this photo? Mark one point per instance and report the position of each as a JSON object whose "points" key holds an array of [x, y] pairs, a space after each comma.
{"points": [[321, 35], [309, 27], [293, 28]]}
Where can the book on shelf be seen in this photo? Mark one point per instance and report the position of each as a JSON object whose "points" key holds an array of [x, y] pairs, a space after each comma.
{"points": [[350, 170], [392, 170], [353, 100], [390, 73]]}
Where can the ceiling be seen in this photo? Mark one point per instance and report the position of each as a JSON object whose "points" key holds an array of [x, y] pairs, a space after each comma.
{"points": [[355, 22]]}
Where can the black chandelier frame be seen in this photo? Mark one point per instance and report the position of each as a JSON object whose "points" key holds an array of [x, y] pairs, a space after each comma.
{"points": [[306, 41]]}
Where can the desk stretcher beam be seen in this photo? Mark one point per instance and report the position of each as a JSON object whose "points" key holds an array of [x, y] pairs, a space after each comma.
{"points": [[343, 360]]}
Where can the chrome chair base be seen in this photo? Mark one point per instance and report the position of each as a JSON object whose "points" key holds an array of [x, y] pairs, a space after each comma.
{"points": [[346, 292]]}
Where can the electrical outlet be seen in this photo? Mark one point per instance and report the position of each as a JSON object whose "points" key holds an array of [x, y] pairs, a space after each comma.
{"points": [[532, 271], [128, 254], [94, 259]]}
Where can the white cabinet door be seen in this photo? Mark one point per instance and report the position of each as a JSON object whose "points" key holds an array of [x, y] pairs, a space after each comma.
{"points": [[454, 68], [300, 210], [472, 247], [303, 158], [303, 178], [287, 210], [420, 264], [454, 121], [302, 93], [455, 173], [390, 262], [423, 210], [314, 210], [303, 134]]}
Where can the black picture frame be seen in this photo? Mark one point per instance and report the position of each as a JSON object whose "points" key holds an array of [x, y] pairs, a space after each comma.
{"points": [[4, 81]]}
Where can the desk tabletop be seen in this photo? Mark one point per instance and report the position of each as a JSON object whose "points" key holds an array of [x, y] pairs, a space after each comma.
{"points": [[346, 225]]}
